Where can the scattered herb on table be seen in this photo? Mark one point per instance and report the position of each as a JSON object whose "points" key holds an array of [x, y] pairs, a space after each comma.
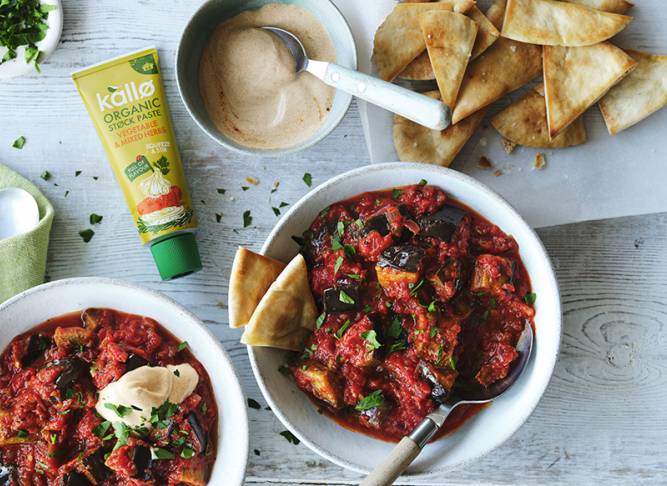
{"points": [[46, 175], [23, 23], [86, 235], [77, 173], [254, 404], [66, 193], [221, 190], [257, 453], [276, 211], [290, 437], [308, 179], [218, 217], [275, 187], [283, 204], [95, 218], [245, 188], [247, 218], [19, 142]]}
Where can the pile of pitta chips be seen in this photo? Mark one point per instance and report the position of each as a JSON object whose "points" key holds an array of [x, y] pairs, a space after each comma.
{"points": [[271, 300], [478, 58]]}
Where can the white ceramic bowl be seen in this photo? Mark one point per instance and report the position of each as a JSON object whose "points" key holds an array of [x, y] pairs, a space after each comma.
{"points": [[18, 66], [34, 306], [493, 425], [196, 35]]}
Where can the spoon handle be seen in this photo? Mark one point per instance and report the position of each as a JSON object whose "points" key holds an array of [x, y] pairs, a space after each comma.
{"points": [[416, 107], [394, 464]]}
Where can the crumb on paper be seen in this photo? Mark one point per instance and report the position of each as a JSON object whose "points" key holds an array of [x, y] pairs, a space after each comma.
{"points": [[252, 180], [540, 161], [508, 146], [498, 173], [485, 163]]}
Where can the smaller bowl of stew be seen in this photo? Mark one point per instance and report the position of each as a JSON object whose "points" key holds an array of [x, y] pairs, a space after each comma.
{"points": [[104, 382], [424, 279]]}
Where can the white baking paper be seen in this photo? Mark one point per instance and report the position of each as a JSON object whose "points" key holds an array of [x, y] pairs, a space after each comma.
{"points": [[607, 177]]}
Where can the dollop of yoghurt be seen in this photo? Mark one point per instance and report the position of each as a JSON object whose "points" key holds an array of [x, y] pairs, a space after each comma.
{"points": [[140, 390]]}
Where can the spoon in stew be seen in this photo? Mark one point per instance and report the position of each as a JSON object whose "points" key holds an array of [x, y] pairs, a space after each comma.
{"points": [[410, 446], [419, 108]]}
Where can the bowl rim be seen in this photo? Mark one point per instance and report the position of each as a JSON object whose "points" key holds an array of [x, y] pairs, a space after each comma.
{"points": [[494, 198], [243, 439], [240, 149]]}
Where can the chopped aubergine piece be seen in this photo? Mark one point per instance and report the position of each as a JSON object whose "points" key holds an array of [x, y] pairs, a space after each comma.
{"points": [[75, 478], [134, 361], [442, 380], [406, 258], [37, 344], [92, 318], [93, 467], [315, 378], [447, 280], [73, 369], [8, 475], [192, 476], [344, 299], [491, 273], [72, 336], [201, 436], [387, 276], [442, 224], [143, 461], [379, 223]]}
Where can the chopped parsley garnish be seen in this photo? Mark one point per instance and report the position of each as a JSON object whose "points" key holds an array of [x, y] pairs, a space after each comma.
{"points": [[254, 404], [398, 346], [245, 188], [353, 276], [308, 179], [530, 298], [440, 353], [432, 306], [395, 328], [339, 334], [23, 23], [340, 228], [350, 250], [221, 190], [102, 429], [396, 193], [344, 298], [290, 437], [320, 320], [176, 373], [423, 182], [371, 339], [452, 362], [161, 454], [247, 218], [283, 204], [120, 410], [359, 224], [160, 416], [19, 142], [433, 332], [187, 452], [122, 432], [257, 453], [182, 345], [53, 437], [77, 173], [86, 235], [276, 211], [339, 262], [95, 218], [22, 433], [368, 308], [336, 244], [46, 175], [372, 400]]}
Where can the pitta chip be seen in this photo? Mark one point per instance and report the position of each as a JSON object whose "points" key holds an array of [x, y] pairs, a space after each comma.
{"points": [[577, 77], [524, 122], [399, 40], [640, 94], [505, 66], [486, 32], [252, 275], [496, 13], [614, 6], [449, 39], [416, 143], [554, 23], [286, 314], [419, 70]]}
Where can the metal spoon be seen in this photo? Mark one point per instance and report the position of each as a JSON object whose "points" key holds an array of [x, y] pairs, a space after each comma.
{"points": [[409, 447], [416, 107], [18, 212]]}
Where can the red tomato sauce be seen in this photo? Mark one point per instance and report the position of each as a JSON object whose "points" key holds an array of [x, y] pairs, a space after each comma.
{"points": [[50, 433], [419, 295]]}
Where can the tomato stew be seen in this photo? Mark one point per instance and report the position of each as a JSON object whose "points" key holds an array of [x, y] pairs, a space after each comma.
{"points": [[50, 432], [419, 295]]}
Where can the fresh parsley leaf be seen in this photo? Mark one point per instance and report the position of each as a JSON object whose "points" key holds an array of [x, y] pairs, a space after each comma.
{"points": [[359, 224], [22, 433], [320, 320], [19, 142], [95, 218], [396, 193], [423, 182], [245, 188], [371, 339], [283, 204], [336, 244], [254, 404], [77, 173], [122, 432], [86, 235], [372, 400], [353, 276], [247, 219], [221, 190], [340, 228], [120, 410], [337, 265], [187, 453], [350, 250], [339, 334], [433, 332], [530, 298], [432, 307], [46, 175], [102, 429], [452, 363], [308, 179], [257, 453], [276, 211], [182, 345], [290, 437], [53, 437], [218, 217], [162, 454], [344, 298]]}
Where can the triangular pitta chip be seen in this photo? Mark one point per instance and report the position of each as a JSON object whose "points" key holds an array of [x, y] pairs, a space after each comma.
{"points": [[640, 94], [449, 39], [505, 66], [399, 40], [486, 32], [614, 6], [496, 13], [524, 122], [419, 70], [252, 275], [416, 143], [554, 23], [577, 77], [286, 314]]}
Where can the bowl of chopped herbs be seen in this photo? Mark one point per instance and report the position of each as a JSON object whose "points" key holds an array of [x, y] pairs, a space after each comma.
{"points": [[29, 33]]}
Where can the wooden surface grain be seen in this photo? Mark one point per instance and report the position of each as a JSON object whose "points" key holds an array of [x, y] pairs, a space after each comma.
{"points": [[603, 416]]}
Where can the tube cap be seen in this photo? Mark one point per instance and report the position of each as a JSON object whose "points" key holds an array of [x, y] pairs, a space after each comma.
{"points": [[177, 256]]}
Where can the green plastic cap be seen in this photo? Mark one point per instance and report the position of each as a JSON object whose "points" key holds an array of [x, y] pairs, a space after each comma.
{"points": [[177, 256]]}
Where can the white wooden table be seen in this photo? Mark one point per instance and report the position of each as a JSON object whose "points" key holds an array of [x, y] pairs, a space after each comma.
{"points": [[603, 418]]}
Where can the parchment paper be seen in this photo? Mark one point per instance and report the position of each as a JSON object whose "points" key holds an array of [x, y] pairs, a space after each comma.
{"points": [[607, 177]]}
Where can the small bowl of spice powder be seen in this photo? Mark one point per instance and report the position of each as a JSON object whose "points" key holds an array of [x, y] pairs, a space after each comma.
{"points": [[29, 32]]}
